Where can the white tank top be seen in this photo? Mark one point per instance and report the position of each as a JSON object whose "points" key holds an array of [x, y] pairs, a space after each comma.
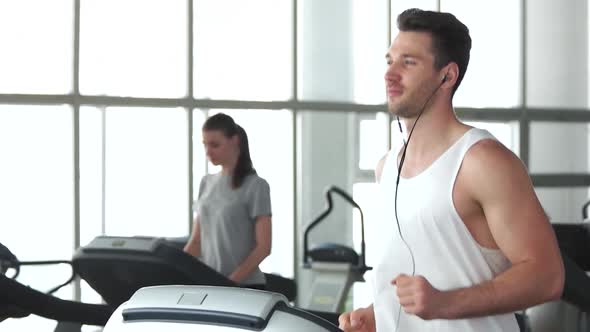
{"points": [[445, 253]]}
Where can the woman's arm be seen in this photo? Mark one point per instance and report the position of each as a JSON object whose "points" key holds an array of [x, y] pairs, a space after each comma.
{"points": [[193, 246], [259, 253]]}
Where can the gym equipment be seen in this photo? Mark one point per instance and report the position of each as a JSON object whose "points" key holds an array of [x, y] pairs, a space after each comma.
{"points": [[211, 309], [572, 313], [18, 300], [116, 267], [335, 267], [274, 282]]}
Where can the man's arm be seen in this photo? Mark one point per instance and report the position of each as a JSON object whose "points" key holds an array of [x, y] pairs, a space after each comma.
{"points": [[499, 183]]}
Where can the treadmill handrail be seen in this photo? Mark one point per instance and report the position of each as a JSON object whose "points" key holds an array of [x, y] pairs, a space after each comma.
{"points": [[324, 214], [18, 264], [29, 300], [585, 210], [193, 315], [9, 261]]}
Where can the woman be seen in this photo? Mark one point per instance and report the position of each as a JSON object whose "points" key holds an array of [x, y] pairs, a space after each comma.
{"points": [[232, 229]]}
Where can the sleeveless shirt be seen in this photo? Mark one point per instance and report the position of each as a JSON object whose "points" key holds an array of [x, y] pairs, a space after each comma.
{"points": [[445, 253]]}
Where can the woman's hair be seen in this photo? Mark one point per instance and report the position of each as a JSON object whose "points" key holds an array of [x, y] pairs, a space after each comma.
{"points": [[229, 128]]}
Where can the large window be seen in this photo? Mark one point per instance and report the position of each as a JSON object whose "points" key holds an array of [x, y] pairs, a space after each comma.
{"points": [[243, 53], [490, 55], [36, 38], [36, 192], [133, 48], [143, 175]]}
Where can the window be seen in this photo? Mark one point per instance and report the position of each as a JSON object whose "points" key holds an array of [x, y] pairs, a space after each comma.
{"points": [[548, 152], [366, 194], [493, 76], [552, 82], [373, 136], [562, 204], [36, 38], [145, 173], [243, 53], [133, 48], [506, 133], [369, 38], [36, 174]]}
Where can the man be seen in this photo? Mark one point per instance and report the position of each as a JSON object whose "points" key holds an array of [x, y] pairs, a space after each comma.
{"points": [[469, 241]]}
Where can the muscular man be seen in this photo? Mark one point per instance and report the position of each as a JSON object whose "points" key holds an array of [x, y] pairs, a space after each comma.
{"points": [[469, 241]]}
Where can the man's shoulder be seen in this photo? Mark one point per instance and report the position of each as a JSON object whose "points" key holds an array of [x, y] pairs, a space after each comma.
{"points": [[489, 152], [489, 163]]}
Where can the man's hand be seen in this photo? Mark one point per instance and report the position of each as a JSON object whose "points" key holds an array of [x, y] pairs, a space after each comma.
{"points": [[418, 297], [360, 320]]}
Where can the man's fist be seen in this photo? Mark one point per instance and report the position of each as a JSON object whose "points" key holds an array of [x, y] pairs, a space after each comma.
{"points": [[360, 320], [417, 296]]}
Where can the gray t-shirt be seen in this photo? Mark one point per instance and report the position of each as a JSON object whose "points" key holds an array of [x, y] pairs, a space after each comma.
{"points": [[227, 221]]}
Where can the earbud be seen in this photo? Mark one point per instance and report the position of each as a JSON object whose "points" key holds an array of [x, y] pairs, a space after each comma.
{"points": [[444, 78]]}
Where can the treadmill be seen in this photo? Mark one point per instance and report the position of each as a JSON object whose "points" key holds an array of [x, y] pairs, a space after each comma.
{"points": [[211, 309], [116, 267]]}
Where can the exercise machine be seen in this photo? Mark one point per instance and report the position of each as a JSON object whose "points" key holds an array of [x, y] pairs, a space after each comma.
{"points": [[274, 282], [211, 309], [572, 312], [18, 300], [335, 267], [116, 267]]}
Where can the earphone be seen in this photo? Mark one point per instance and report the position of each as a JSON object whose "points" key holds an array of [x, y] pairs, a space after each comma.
{"points": [[399, 172]]}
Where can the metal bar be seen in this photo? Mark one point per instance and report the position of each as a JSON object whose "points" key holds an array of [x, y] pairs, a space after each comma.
{"points": [[389, 23], [529, 114], [295, 137], [523, 53], [389, 40], [190, 93], [76, 290], [28, 99], [561, 180], [103, 170], [524, 124], [556, 115], [190, 167], [486, 114], [524, 141]]}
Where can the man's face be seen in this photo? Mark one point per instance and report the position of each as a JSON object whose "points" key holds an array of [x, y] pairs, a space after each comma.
{"points": [[410, 78]]}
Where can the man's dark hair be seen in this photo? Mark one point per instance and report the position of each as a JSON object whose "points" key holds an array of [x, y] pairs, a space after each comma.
{"points": [[450, 37]]}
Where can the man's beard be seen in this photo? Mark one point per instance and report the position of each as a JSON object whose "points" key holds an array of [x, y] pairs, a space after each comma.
{"points": [[411, 106], [403, 110]]}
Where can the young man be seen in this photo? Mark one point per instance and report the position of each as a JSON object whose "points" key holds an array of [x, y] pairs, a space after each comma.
{"points": [[469, 241]]}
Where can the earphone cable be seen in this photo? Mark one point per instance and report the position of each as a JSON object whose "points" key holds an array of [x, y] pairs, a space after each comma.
{"points": [[399, 172]]}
